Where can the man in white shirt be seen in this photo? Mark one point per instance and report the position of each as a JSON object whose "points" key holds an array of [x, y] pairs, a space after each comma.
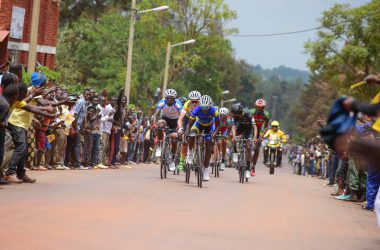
{"points": [[106, 113]]}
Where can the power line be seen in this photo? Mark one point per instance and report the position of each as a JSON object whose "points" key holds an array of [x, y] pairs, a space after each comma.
{"points": [[300, 31]]}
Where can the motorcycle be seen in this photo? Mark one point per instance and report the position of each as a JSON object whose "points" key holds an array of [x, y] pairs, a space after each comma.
{"points": [[273, 145]]}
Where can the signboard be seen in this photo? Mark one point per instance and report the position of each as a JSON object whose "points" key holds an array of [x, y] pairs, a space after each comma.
{"points": [[17, 23]]}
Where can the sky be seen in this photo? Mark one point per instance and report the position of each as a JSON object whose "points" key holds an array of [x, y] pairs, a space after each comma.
{"points": [[276, 16]]}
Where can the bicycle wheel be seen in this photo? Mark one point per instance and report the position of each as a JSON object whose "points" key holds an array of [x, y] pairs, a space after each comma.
{"points": [[200, 168], [166, 156], [241, 174], [188, 172], [163, 163], [217, 166]]}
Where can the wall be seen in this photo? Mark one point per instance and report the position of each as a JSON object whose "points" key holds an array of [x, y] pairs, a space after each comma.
{"points": [[47, 31]]}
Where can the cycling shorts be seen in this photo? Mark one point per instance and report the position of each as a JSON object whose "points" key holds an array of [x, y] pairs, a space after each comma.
{"points": [[171, 123], [208, 130], [185, 121], [245, 131]]}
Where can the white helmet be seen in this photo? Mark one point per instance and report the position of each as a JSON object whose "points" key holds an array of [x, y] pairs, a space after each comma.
{"points": [[171, 93], [223, 111], [194, 95], [205, 101]]}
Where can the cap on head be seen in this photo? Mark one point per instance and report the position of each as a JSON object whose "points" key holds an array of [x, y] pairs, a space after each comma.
{"points": [[275, 124], [38, 79]]}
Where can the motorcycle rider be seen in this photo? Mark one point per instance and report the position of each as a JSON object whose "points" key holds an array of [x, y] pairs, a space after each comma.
{"points": [[274, 134]]}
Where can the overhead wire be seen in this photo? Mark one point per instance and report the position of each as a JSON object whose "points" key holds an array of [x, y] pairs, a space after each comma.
{"points": [[300, 31]]}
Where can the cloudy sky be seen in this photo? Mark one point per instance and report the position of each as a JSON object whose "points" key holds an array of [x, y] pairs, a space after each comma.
{"points": [[273, 16]]}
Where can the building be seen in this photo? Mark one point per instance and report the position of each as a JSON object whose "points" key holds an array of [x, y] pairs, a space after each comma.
{"points": [[15, 30]]}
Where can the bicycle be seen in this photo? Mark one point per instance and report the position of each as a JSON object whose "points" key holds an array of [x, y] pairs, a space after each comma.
{"points": [[242, 163], [166, 152], [197, 160], [216, 157], [178, 156]]}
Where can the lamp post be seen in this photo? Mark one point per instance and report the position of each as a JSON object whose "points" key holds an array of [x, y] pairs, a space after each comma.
{"points": [[167, 62], [230, 100], [225, 92], [134, 12], [34, 36]]}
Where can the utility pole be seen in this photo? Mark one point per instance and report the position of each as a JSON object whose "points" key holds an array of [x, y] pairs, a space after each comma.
{"points": [[128, 76], [274, 107], [167, 63], [34, 36]]}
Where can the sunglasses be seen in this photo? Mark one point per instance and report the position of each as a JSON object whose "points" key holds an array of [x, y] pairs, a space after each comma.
{"points": [[205, 107], [194, 102]]}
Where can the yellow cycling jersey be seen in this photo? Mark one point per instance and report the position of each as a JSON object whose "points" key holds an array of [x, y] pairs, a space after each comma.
{"points": [[272, 135], [376, 125], [187, 108]]}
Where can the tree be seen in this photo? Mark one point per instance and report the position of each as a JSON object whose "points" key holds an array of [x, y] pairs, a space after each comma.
{"points": [[92, 49], [346, 50]]}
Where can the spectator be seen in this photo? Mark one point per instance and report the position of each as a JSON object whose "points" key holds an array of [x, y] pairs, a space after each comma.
{"points": [[7, 99], [106, 111], [19, 122], [80, 114]]}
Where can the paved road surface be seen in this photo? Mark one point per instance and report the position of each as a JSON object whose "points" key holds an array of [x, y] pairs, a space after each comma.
{"points": [[134, 209]]}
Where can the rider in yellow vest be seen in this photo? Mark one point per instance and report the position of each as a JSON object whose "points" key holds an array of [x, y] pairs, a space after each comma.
{"points": [[274, 134]]}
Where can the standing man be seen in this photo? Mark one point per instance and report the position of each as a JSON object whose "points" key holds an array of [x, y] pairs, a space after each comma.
{"points": [[106, 113], [80, 114], [7, 99], [261, 118]]}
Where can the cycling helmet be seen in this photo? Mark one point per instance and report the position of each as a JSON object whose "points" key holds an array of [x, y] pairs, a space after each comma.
{"points": [[275, 124], [170, 93], [205, 102], [237, 108], [194, 95], [182, 99], [223, 111], [260, 103]]}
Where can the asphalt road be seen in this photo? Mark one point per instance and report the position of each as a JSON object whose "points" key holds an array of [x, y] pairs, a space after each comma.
{"points": [[135, 209]]}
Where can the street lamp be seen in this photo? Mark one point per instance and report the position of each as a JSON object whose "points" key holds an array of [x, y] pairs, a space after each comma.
{"points": [[230, 100], [162, 8], [134, 12], [167, 63], [225, 92]]}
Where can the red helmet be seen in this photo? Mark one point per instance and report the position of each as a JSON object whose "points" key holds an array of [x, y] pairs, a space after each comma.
{"points": [[260, 103]]}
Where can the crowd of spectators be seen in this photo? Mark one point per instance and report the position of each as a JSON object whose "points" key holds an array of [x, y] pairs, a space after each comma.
{"points": [[43, 127]]}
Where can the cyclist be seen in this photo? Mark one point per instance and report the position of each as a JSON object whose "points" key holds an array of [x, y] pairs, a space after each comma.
{"points": [[183, 100], [202, 118], [170, 109], [225, 128], [275, 133], [183, 120], [244, 126], [261, 117]]}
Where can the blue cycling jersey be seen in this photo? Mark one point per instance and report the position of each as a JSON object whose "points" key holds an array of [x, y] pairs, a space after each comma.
{"points": [[172, 111], [205, 118]]}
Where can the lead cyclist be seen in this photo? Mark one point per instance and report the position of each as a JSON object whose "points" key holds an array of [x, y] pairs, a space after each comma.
{"points": [[170, 109]]}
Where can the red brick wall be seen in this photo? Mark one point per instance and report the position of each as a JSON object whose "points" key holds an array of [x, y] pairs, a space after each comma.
{"points": [[47, 30]]}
